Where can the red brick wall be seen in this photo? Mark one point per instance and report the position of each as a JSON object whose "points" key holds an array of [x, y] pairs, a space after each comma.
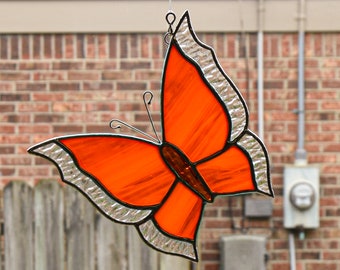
{"points": [[54, 85]]}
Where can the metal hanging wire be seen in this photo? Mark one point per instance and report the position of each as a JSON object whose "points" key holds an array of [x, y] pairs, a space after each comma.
{"points": [[170, 18]]}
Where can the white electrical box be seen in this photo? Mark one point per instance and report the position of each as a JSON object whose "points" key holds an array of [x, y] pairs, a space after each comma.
{"points": [[301, 197]]}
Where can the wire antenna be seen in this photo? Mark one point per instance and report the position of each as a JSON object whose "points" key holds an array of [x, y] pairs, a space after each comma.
{"points": [[147, 97], [117, 124]]}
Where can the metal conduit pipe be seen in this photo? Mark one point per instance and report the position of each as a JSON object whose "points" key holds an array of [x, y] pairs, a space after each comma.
{"points": [[260, 98], [292, 251], [300, 154]]}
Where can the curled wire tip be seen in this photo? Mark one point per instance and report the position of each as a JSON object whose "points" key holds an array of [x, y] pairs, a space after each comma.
{"points": [[115, 124], [148, 100]]}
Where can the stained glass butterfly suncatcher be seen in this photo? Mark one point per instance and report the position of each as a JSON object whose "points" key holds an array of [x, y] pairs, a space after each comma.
{"points": [[162, 186]]}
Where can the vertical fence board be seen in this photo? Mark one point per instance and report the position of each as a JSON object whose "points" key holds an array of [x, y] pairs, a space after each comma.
{"points": [[141, 256], [18, 218], [49, 233], [111, 244], [79, 228]]}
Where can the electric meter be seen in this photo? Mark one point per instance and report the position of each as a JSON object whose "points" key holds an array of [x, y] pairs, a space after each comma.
{"points": [[302, 196]]}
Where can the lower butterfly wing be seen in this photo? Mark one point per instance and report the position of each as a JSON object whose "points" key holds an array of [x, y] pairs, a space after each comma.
{"points": [[125, 177], [174, 226], [241, 167]]}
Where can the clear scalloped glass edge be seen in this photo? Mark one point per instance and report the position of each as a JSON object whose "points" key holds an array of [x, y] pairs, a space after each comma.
{"points": [[164, 243], [259, 159]]}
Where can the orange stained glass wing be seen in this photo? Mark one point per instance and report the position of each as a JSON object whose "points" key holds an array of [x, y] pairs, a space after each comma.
{"points": [[229, 172], [179, 215], [194, 118], [131, 170]]}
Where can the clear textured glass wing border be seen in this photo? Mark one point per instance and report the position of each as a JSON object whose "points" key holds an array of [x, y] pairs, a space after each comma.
{"points": [[164, 243], [259, 159]]}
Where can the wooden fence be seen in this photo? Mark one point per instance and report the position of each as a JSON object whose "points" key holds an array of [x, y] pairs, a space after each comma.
{"points": [[54, 227]]}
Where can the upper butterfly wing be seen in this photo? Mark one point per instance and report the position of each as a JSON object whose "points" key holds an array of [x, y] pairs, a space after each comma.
{"points": [[189, 109], [201, 107], [125, 177]]}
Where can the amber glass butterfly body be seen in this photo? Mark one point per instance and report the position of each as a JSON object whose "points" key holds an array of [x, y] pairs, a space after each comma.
{"points": [[206, 150]]}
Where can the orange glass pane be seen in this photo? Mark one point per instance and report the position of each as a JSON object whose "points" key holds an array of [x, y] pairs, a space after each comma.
{"points": [[228, 173], [180, 214], [131, 170], [194, 118]]}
